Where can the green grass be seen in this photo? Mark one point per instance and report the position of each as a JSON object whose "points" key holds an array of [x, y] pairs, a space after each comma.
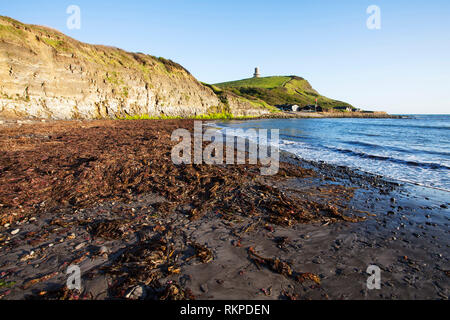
{"points": [[266, 82], [57, 44], [214, 88], [148, 117], [210, 116], [113, 78], [279, 90], [11, 32], [125, 91]]}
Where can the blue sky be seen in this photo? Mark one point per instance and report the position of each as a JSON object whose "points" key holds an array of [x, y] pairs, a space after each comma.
{"points": [[402, 68]]}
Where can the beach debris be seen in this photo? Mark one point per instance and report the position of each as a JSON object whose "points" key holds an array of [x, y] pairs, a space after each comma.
{"points": [[109, 229], [6, 284], [14, 232], [136, 293], [174, 292], [103, 250], [282, 242], [62, 293], [82, 165], [204, 288], [4, 294], [143, 263], [289, 296], [28, 256], [283, 268], [302, 277], [44, 278], [267, 292], [275, 265], [237, 243], [87, 170], [173, 270], [201, 252], [80, 246]]}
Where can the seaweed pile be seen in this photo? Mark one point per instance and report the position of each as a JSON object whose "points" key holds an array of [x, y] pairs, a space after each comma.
{"points": [[58, 170], [281, 267], [141, 267], [77, 165]]}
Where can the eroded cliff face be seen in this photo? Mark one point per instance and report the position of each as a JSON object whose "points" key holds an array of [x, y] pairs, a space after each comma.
{"points": [[45, 74]]}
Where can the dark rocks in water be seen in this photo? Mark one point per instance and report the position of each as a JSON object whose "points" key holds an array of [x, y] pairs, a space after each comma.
{"points": [[444, 206]]}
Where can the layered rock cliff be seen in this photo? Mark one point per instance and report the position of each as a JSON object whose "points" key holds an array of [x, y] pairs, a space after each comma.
{"points": [[45, 74]]}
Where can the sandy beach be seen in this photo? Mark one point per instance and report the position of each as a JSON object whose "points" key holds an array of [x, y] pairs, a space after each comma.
{"points": [[104, 195]]}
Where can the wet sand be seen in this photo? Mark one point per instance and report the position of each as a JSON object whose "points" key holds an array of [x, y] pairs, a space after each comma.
{"points": [[103, 195]]}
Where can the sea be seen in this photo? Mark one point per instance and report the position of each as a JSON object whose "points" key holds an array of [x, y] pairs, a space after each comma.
{"points": [[413, 149]]}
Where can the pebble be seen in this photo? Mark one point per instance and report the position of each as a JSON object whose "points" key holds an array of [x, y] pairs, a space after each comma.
{"points": [[204, 288], [15, 231], [7, 225], [317, 260], [103, 250], [136, 293], [81, 245]]}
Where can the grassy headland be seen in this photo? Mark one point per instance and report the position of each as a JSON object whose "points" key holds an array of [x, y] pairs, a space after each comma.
{"points": [[280, 90]]}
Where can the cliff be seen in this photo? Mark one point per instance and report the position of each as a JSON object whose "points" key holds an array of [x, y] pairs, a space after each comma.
{"points": [[46, 74]]}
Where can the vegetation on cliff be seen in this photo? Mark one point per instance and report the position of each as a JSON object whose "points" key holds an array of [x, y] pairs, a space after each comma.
{"points": [[46, 74], [279, 90]]}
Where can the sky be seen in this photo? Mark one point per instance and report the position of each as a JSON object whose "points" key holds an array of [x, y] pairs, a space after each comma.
{"points": [[403, 67]]}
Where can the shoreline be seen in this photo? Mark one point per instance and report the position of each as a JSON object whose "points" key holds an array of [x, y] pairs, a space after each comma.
{"points": [[281, 115], [216, 254]]}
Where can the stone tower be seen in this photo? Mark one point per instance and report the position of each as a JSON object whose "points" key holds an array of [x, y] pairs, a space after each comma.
{"points": [[256, 75]]}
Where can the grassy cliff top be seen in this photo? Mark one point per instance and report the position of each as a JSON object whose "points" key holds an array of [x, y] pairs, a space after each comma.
{"points": [[278, 90], [265, 82], [32, 37]]}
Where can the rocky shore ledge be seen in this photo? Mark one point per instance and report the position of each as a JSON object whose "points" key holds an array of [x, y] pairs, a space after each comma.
{"points": [[105, 196]]}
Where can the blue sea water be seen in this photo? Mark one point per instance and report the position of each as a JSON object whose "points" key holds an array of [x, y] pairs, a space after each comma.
{"points": [[415, 149]]}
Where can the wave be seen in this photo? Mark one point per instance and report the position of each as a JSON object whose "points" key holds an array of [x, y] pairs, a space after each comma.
{"points": [[398, 149], [427, 165], [410, 126]]}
